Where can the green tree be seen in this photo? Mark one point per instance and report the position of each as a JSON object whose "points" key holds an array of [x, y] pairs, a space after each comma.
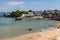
{"points": [[18, 13]]}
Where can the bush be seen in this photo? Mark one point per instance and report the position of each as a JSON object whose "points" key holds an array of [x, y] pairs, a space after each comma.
{"points": [[18, 13]]}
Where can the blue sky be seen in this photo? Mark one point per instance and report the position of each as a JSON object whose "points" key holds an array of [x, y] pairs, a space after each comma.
{"points": [[13, 5]]}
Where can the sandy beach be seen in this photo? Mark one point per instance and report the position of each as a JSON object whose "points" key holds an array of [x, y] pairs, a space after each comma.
{"points": [[48, 34], [52, 33]]}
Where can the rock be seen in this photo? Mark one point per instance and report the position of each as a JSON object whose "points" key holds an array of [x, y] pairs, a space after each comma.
{"points": [[18, 18], [30, 29]]}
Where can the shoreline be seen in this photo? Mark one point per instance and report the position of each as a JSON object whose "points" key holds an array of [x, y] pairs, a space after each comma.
{"points": [[37, 35], [48, 34], [34, 35], [45, 34]]}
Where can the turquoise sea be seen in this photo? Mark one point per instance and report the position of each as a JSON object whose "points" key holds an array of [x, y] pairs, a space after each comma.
{"points": [[9, 27]]}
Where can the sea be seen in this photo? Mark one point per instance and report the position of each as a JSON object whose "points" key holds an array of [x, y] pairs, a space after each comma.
{"points": [[9, 27]]}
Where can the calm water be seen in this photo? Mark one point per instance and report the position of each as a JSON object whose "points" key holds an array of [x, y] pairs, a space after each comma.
{"points": [[11, 28]]}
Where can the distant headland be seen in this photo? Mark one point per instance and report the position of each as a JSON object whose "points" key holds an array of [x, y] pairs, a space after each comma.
{"points": [[53, 14]]}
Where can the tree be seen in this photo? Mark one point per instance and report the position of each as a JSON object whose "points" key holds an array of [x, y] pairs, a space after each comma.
{"points": [[18, 13]]}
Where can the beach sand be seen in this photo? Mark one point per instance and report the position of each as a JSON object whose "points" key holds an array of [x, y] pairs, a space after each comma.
{"points": [[48, 34]]}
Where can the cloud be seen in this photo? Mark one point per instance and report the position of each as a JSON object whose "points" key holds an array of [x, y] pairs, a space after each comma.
{"points": [[2, 9], [21, 5], [15, 3], [37, 2]]}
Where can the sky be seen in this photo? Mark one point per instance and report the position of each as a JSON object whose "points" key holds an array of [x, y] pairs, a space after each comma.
{"points": [[25, 5]]}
